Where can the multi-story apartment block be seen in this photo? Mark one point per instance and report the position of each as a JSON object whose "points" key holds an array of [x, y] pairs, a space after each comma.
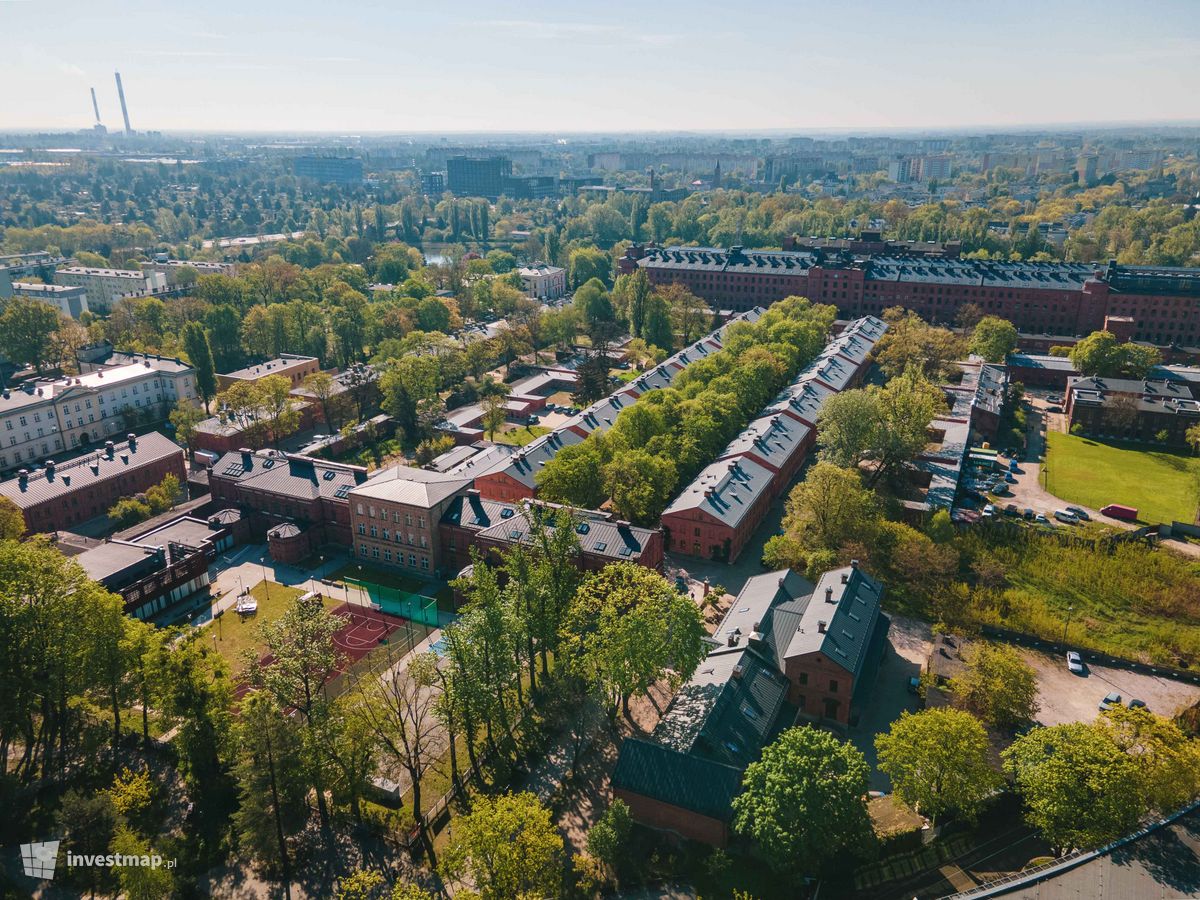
{"points": [[70, 301], [291, 366], [49, 417], [106, 286]]}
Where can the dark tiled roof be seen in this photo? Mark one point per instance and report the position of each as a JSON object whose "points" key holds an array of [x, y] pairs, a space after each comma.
{"points": [[290, 475], [680, 779], [598, 535], [849, 611]]}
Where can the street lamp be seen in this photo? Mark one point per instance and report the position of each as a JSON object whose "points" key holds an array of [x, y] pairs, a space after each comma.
{"points": [[1067, 624]]}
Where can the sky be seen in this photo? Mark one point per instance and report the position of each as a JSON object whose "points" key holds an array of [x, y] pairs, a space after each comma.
{"points": [[355, 67]]}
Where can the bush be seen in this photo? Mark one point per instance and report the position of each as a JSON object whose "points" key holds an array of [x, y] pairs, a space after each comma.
{"points": [[129, 511]]}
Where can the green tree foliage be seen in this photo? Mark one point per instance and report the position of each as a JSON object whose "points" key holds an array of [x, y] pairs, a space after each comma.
{"points": [[656, 328], [911, 342], [12, 520], [884, 426], [587, 263], [506, 847], [593, 303], [997, 685], [27, 330], [1168, 761], [1102, 355], [826, 511], [628, 628], [184, 417], [804, 802], [1079, 788], [993, 338], [199, 353], [938, 762], [608, 839]]}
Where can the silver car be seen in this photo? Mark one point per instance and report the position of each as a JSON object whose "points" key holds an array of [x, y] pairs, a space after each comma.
{"points": [[1074, 662]]}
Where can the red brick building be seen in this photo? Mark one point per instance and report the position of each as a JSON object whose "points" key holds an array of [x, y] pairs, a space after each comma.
{"points": [[277, 488], [785, 652], [65, 494], [1163, 304]]}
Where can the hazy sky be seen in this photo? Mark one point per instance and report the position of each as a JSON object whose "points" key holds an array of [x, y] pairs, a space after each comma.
{"points": [[614, 65]]}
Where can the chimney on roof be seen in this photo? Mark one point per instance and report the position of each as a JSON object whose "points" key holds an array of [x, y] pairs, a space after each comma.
{"points": [[49, 468], [132, 438], [108, 449], [23, 477], [854, 563], [845, 578], [821, 627], [245, 451]]}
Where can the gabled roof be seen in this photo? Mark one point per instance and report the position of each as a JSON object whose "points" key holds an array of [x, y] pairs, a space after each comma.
{"points": [[80, 473], [598, 534], [726, 490], [679, 779], [410, 486], [840, 618], [802, 398], [772, 440]]}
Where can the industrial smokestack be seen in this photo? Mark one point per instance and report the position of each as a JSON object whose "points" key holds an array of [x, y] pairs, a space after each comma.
{"points": [[124, 109], [95, 106]]}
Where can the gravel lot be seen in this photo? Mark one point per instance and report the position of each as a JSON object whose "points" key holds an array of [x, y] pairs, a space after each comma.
{"points": [[1075, 698]]}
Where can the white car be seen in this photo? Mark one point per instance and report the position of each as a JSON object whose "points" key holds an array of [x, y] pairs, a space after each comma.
{"points": [[1064, 515], [1074, 662]]}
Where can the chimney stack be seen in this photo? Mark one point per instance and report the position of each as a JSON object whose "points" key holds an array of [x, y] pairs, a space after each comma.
{"points": [[828, 595], [132, 438], [821, 627], [124, 109]]}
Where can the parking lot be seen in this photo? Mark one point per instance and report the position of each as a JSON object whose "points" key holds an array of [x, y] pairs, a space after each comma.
{"points": [[1076, 698]]}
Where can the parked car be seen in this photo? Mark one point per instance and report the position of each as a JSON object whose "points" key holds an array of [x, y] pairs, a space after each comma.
{"points": [[1012, 466], [1010, 478], [1079, 513], [1054, 398], [1002, 491], [1054, 409], [1119, 511], [1074, 662], [1011, 510], [1066, 517], [1041, 519], [1110, 700], [1028, 514], [989, 511], [1137, 704]]}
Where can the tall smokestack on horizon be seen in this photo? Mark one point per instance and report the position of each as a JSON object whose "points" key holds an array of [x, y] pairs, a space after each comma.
{"points": [[95, 106], [124, 109]]}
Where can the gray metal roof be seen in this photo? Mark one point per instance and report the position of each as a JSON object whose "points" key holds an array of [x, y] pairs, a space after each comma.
{"points": [[84, 471], [290, 475], [726, 490], [839, 619], [410, 486]]}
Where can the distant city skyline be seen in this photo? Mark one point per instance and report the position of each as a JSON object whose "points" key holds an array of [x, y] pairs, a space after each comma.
{"points": [[306, 66]]}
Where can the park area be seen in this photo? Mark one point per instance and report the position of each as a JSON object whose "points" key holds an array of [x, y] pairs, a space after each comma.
{"points": [[1162, 485]]}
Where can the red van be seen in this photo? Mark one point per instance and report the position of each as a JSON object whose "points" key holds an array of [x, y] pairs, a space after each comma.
{"points": [[1117, 511]]}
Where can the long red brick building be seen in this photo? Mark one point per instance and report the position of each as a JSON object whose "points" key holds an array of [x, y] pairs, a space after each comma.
{"points": [[1053, 297]]}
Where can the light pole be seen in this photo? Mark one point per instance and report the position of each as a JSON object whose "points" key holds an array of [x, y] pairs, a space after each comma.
{"points": [[1067, 624]]}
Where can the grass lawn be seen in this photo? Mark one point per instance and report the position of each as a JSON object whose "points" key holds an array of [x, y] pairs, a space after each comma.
{"points": [[521, 435], [232, 635], [1159, 483]]}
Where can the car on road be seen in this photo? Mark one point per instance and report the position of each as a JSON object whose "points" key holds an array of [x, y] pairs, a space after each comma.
{"points": [[1111, 699], [1066, 517], [1137, 704], [1080, 513], [1074, 662], [1120, 511]]}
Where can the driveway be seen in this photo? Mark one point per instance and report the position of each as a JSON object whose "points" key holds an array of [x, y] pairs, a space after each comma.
{"points": [[1075, 698], [909, 643]]}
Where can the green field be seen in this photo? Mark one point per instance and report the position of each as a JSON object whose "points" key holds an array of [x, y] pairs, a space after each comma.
{"points": [[1162, 485], [520, 435], [233, 635]]}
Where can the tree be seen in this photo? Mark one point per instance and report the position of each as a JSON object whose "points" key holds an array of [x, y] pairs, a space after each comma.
{"points": [[279, 413], [1192, 435], [910, 341], [586, 263], [1080, 789], [993, 338], [997, 685], [270, 775], [140, 882], [938, 762], [804, 801], [657, 330], [629, 298], [129, 511], [1101, 355], [607, 840], [640, 485], [27, 330], [12, 520], [325, 390], [185, 417], [164, 495], [575, 476], [593, 303], [495, 414], [1168, 761], [628, 628], [507, 847], [196, 346], [829, 508], [689, 314]]}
